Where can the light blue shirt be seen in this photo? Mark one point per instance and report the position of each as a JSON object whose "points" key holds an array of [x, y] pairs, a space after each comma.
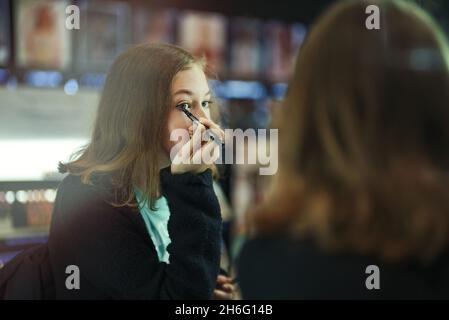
{"points": [[156, 223]]}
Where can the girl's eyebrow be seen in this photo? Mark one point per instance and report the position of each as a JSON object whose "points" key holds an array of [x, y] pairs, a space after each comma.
{"points": [[188, 92]]}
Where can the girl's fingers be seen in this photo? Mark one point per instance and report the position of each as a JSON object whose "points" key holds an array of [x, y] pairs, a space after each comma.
{"points": [[210, 125], [196, 155], [184, 153], [197, 137], [215, 153], [221, 295], [211, 152], [225, 284], [222, 279], [229, 288], [225, 279], [206, 154], [189, 148]]}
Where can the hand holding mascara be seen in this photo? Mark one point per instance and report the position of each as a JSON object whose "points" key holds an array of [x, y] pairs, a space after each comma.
{"points": [[213, 136]]}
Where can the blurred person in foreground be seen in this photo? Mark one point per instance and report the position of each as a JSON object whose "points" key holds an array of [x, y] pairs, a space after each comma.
{"points": [[363, 180]]}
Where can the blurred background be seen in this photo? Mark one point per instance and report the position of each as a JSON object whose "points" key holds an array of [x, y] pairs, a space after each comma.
{"points": [[51, 79]]}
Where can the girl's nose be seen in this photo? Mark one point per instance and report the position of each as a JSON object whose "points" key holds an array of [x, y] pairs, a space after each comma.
{"points": [[199, 112]]}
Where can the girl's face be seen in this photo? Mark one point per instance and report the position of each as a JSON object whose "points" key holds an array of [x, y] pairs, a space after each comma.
{"points": [[191, 89]]}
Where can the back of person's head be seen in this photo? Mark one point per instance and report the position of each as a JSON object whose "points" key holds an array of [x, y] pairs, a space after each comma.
{"points": [[364, 135]]}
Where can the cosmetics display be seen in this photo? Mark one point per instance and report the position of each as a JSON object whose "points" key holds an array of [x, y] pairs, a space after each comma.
{"points": [[25, 214]]}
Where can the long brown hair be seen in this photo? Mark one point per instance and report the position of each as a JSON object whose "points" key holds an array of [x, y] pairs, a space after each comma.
{"points": [[364, 136], [131, 120]]}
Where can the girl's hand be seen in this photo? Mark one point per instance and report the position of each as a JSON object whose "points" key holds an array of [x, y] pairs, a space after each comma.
{"points": [[212, 126], [197, 155], [225, 289]]}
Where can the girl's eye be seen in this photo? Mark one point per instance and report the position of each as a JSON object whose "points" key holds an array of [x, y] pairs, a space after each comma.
{"points": [[206, 104], [184, 105]]}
